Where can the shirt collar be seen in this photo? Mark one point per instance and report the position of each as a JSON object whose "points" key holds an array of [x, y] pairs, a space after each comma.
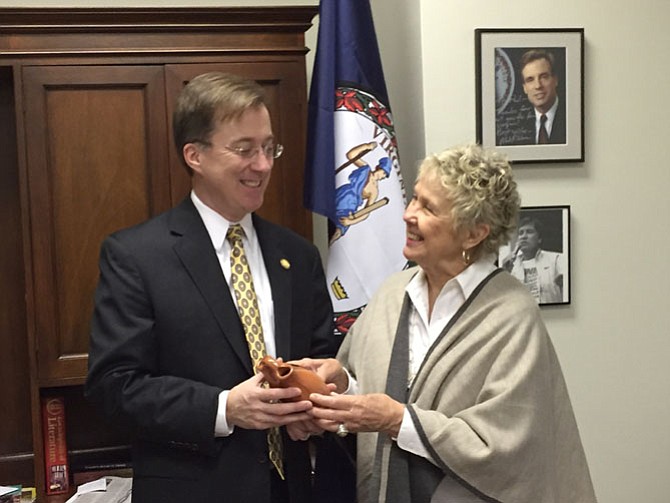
{"points": [[472, 276], [467, 280], [551, 113], [217, 226]]}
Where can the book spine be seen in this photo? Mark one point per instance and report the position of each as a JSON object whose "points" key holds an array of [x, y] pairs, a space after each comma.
{"points": [[55, 446]]}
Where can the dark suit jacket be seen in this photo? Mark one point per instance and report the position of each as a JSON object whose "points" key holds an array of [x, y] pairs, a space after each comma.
{"points": [[558, 128], [166, 340], [524, 134]]}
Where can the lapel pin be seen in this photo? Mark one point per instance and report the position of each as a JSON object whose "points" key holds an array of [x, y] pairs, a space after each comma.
{"points": [[285, 264]]}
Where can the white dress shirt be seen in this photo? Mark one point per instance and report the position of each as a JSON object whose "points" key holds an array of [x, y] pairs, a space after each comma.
{"points": [[424, 329], [217, 228]]}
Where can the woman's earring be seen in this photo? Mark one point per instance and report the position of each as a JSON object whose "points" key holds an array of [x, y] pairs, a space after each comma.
{"points": [[466, 256]]}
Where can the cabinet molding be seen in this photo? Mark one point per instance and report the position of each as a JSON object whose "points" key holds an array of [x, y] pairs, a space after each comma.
{"points": [[86, 98], [142, 32]]}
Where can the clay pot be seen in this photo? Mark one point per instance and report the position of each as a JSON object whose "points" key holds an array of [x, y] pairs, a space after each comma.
{"points": [[286, 375]]}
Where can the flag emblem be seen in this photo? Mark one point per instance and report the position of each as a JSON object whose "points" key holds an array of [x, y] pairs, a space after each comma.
{"points": [[368, 237], [352, 172]]}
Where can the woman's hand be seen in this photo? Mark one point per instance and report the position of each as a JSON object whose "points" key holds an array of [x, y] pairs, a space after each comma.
{"points": [[329, 369], [374, 412]]}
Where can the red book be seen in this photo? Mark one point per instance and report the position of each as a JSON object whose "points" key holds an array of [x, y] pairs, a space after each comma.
{"points": [[55, 446]]}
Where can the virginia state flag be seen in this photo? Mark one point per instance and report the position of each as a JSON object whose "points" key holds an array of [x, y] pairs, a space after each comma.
{"points": [[352, 174]]}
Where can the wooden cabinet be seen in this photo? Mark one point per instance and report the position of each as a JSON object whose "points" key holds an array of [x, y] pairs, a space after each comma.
{"points": [[86, 100], [97, 162]]}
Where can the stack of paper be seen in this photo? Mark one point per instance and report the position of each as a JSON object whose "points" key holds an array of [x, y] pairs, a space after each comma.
{"points": [[104, 490]]}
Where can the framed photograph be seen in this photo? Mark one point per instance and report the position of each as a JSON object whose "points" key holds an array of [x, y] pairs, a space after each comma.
{"points": [[530, 93], [538, 254]]}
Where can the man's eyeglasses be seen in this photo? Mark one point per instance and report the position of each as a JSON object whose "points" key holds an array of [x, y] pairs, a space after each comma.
{"points": [[271, 151]]}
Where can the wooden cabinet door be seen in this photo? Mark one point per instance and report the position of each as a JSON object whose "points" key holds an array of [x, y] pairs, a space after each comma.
{"points": [[97, 160], [284, 83]]}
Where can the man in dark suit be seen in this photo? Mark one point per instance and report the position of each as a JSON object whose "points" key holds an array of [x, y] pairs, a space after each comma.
{"points": [[168, 351], [540, 83]]}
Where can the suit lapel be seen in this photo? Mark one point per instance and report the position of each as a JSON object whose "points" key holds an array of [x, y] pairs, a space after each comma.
{"points": [[278, 266], [194, 249]]}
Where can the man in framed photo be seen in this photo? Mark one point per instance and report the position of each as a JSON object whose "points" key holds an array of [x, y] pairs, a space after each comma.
{"points": [[540, 85], [540, 270]]}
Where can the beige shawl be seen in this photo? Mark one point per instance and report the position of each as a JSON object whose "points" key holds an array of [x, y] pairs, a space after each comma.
{"points": [[489, 402]]}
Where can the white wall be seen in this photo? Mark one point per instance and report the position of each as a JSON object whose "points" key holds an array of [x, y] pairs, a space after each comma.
{"points": [[613, 338], [398, 28]]}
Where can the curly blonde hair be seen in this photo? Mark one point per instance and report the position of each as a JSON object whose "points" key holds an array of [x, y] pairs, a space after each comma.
{"points": [[481, 188]]}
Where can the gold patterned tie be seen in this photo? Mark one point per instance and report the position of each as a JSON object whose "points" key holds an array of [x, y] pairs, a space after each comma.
{"points": [[247, 306]]}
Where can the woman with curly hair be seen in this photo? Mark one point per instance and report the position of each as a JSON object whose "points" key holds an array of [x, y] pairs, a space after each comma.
{"points": [[449, 377]]}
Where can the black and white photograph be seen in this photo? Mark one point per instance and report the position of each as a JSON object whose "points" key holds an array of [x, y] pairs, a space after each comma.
{"points": [[530, 93], [538, 254]]}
